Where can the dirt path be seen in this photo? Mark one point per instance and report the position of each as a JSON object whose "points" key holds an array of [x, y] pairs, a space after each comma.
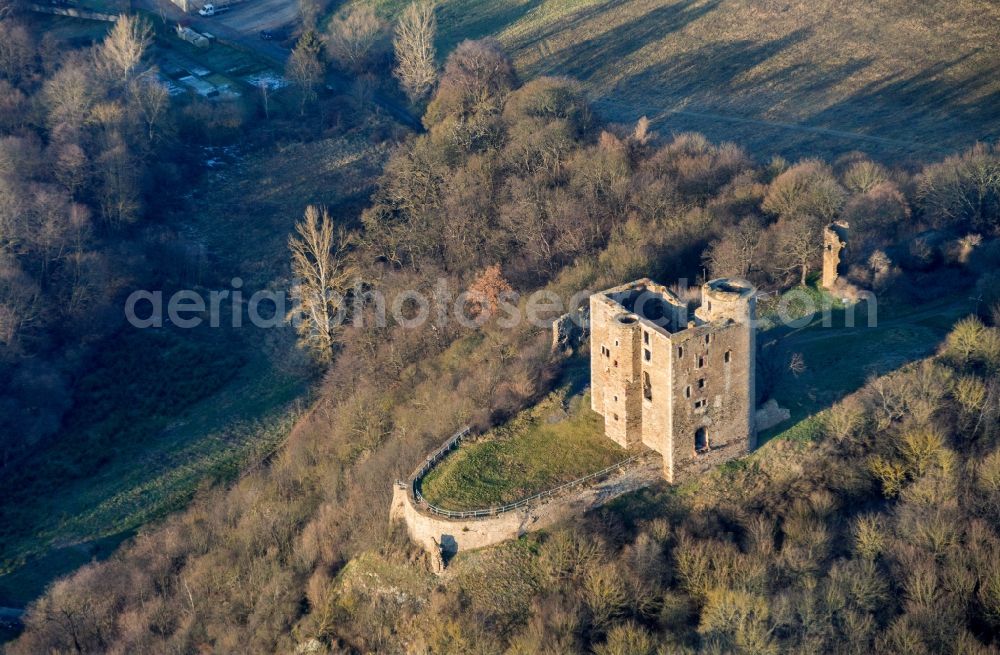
{"points": [[657, 113]]}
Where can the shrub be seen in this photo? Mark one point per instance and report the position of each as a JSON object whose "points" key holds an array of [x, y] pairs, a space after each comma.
{"points": [[604, 593], [477, 78], [869, 537], [736, 621], [890, 474], [807, 189], [970, 392], [964, 190], [921, 448], [863, 176], [971, 340], [627, 639], [358, 40], [844, 419], [551, 98]]}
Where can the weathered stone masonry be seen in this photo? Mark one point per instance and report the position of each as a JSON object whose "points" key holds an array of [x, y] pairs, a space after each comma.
{"points": [[684, 388]]}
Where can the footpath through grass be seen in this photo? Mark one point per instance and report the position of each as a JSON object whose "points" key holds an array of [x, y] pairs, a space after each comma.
{"points": [[557, 441]]}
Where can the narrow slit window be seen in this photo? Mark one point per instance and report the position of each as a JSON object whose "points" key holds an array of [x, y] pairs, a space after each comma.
{"points": [[687, 391], [647, 386], [701, 383], [708, 338], [701, 361], [645, 338], [729, 356], [648, 355], [680, 351]]}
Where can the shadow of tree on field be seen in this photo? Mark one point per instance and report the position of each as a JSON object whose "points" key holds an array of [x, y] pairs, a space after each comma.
{"points": [[477, 19], [586, 58], [745, 91], [943, 106]]}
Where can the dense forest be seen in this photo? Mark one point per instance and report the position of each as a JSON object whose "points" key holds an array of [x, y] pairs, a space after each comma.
{"points": [[879, 534]]}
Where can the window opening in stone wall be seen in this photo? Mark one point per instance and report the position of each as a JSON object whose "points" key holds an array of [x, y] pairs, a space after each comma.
{"points": [[708, 338], [701, 383], [701, 440], [680, 351], [648, 355], [645, 338], [687, 391], [647, 387], [701, 361], [729, 356]]}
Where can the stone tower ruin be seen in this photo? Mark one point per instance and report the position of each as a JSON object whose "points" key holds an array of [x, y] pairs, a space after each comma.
{"points": [[681, 386], [834, 241]]}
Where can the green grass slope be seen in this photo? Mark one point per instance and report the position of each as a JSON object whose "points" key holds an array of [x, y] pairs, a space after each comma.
{"points": [[556, 441]]}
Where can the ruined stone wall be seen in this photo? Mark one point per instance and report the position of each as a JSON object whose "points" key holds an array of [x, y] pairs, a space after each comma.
{"points": [[439, 535], [834, 241]]}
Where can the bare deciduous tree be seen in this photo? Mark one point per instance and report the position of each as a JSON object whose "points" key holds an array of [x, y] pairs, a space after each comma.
{"points": [[305, 69], [152, 100], [20, 302], [963, 189], [808, 188], [796, 246], [320, 262], [735, 254], [69, 96], [356, 37], [414, 47], [123, 49], [17, 50]]}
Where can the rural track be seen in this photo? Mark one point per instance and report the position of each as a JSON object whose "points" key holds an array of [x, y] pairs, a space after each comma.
{"points": [[275, 53], [656, 113]]}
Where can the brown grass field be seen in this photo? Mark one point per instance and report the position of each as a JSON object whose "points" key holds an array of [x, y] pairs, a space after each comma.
{"points": [[895, 78]]}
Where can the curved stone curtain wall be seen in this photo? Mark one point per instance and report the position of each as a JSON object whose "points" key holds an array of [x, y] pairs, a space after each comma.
{"points": [[443, 534]]}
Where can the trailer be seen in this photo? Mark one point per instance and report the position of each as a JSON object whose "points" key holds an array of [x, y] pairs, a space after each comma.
{"points": [[192, 37]]}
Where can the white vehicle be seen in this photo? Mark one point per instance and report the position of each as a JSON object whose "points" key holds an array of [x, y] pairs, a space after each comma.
{"points": [[210, 9]]}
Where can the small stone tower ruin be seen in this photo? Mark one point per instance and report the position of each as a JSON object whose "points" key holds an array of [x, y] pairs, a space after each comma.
{"points": [[834, 241], [684, 388]]}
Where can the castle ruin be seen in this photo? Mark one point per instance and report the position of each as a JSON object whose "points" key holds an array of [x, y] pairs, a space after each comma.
{"points": [[682, 387]]}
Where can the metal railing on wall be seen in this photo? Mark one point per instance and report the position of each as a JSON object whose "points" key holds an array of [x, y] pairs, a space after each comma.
{"points": [[496, 510]]}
